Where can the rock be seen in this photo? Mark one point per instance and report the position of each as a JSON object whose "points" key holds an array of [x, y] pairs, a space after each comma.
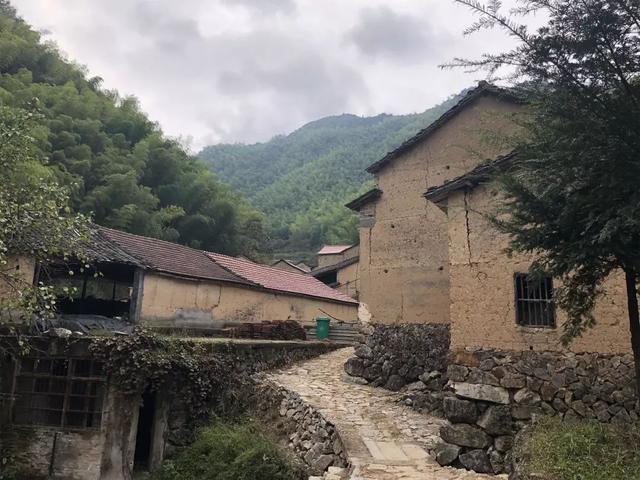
{"points": [[60, 332], [477, 461], [356, 380], [513, 380], [363, 351], [446, 453], [321, 464], [416, 386], [496, 420], [483, 378], [622, 417], [354, 367], [497, 461], [457, 410], [527, 397], [524, 412], [487, 364], [485, 393], [372, 372], [395, 383], [465, 435], [579, 407], [429, 376], [548, 391], [457, 373], [503, 444]]}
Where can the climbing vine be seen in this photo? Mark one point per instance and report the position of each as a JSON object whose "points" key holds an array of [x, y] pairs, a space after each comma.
{"points": [[178, 368]]}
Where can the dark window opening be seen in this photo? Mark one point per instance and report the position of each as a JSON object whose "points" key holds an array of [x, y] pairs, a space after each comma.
{"points": [[144, 437], [60, 392], [534, 301], [329, 278], [105, 290]]}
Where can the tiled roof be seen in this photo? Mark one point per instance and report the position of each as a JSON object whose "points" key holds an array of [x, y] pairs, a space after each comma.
{"points": [[330, 268], [363, 199], [275, 279], [479, 174], [483, 88], [333, 249], [167, 257]]}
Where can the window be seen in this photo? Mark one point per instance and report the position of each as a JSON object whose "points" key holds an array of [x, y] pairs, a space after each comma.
{"points": [[59, 392], [534, 301]]}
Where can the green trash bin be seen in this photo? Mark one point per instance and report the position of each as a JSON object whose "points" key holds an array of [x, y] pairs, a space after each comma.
{"points": [[322, 327]]}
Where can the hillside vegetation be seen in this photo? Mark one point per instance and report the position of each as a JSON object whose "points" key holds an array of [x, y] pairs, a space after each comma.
{"points": [[119, 164], [302, 181]]}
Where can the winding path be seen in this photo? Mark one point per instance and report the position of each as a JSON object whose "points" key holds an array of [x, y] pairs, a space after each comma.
{"points": [[383, 439]]}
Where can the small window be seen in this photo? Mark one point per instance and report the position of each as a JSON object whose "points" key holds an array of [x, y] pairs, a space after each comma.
{"points": [[59, 392], [534, 301]]}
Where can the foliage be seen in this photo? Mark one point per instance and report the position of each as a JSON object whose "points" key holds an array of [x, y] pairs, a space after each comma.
{"points": [[572, 192], [178, 368], [118, 162], [35, 218], [231, 452], [587, 450], [302, 181]]}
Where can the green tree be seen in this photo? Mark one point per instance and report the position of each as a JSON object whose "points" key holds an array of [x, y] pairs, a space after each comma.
{"points": [[572, 195], [35, 218]]}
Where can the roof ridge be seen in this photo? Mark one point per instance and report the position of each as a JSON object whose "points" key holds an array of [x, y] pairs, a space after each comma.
{"points": [[279, 271], [482, 87]]}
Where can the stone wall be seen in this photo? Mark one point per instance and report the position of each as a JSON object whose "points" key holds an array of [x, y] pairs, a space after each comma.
{"points": [[395, 356], [313, 438], [495, 394]]}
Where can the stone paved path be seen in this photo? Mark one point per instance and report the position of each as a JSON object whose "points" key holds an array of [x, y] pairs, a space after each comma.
{"points": [[384, 440]]}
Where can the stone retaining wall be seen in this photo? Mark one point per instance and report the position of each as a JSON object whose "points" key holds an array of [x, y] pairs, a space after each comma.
{"points": [[392, 356], [495, 394], [312, 437]]}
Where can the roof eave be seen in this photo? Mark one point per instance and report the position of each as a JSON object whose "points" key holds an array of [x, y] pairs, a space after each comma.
{"points": [[364, 199]]}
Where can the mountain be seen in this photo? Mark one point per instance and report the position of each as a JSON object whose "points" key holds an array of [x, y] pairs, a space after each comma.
{"points": [[301, 181], [116, 162]]}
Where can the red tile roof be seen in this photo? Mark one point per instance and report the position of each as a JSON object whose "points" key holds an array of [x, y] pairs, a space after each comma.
{"points": [[333, 249], [280, 280], [168, 257]]}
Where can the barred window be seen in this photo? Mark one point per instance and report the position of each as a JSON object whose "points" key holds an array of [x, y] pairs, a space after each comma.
{"points": [[61, 392], [534, 301]]}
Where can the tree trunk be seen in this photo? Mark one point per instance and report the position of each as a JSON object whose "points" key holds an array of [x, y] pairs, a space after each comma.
{"points": [[634, 321]]}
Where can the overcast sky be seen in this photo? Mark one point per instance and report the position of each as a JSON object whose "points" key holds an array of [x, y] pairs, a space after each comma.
{"points": [[245, 70]]}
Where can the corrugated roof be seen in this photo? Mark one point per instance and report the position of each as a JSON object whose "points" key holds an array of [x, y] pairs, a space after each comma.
{"points": [[168, 257], [333, 249], [275, 279], [483, 88]]}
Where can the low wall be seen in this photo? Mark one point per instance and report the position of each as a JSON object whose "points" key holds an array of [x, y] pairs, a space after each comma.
{"points": [[395, 356], [495, 394], [312, 437]]}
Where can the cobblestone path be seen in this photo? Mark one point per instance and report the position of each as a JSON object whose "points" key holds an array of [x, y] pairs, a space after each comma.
{"points": [[383, 439]]}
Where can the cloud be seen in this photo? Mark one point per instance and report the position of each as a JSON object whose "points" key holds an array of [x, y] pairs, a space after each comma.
{"points": [[381, 32], [246, 70], [265, 6]]}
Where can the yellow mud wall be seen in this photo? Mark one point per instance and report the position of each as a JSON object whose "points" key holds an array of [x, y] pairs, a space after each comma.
{"points": [[348, 280], [482, 290], [25, 269], [404, 266], [326, 260], [175, 302]]}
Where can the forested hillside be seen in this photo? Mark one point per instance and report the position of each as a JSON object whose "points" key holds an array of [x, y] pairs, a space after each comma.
{"points": [[117, 161], [301, 181]]}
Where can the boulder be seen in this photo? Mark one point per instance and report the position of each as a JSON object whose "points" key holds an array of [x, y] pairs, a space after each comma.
{"points": [[446, 453], [486, 393], [476, 460], [527, 397], [364, 351], [496, 420], [354, 367], [457, 410], [321, 464], [465, 435], [395, 383], [513, 380], [457, 373]]}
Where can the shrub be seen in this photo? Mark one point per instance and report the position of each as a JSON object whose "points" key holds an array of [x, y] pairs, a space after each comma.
{"points": [[585, 450], [231, 452]]}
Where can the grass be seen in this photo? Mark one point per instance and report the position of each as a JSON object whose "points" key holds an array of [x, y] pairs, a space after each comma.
{"points": [[232, 451], [588, 450]]}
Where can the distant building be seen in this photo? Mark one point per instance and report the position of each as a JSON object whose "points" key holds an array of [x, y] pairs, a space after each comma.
{"points": [[289, 266], [338, 268], [332, 254]]}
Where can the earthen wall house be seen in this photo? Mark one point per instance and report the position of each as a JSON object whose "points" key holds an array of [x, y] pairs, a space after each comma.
{"points": [[333, 254], [404, 264], [483, 289]]}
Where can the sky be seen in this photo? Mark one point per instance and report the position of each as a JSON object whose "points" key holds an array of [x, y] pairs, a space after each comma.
{"points": [[212, 71]]}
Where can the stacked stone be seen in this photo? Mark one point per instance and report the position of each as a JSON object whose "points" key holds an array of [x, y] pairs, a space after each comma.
{"points": [[394, 356], [497, 393], [314, 439]]}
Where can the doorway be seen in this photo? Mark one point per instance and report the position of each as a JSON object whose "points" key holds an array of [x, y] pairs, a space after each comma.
{"points": [[144, 436]]}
